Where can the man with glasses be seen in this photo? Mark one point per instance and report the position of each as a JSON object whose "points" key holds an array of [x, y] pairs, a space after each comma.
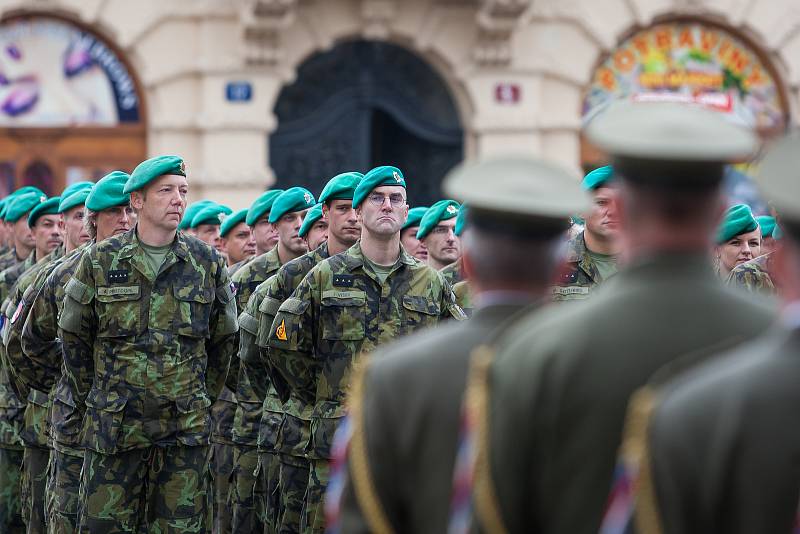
{"points": [[349, 304]]}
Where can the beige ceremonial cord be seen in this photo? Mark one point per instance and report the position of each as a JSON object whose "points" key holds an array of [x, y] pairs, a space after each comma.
{"points": [[487, 506], [635, 449], [358, 458]]}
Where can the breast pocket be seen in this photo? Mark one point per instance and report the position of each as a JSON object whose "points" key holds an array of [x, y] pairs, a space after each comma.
{"points": [[194, 310], [343, 315], [419, 311], [118, 311], [102, 423]]}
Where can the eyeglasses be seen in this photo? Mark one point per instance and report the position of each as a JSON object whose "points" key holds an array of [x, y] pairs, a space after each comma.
{"points": [[395, 199]]}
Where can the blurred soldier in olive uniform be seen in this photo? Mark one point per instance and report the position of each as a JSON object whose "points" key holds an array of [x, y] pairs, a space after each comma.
{"points": [[591, 255], [722, 442], [20, 238], [286, 215], [406, 406], [351, 303], [755, 275], [556, 395], [236, 239], [437, 233], [46, 221], [408, 234], [224, 409], [148, 331], [283, 466], [39, 365]]}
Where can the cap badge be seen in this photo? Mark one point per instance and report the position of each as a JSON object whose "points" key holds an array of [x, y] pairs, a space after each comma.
{"points": [[307, 197], [221, 217], [451, 209], [183, 167], [42, 198], [397, 177]]}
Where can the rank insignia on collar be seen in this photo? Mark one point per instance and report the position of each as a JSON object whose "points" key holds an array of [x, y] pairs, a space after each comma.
{"points": [[343, 280], [119, 276]]}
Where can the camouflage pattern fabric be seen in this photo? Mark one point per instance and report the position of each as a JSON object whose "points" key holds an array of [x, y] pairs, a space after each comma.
{"points": [[9, 259], [754, 275], [145, 354], [35, 462], [221, 466], [293, 480], [338, 311], [463, 297], [10, 469], [581, 276], [452, 273], [10, 276], [63, 483], [247, 418], [158, 489]]}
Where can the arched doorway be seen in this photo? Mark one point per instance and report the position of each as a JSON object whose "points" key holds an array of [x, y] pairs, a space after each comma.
{"points": [[70, 107], [362, 104]]}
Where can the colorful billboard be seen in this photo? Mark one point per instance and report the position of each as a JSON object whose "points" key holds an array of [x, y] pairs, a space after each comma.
{"points": [[690, 62], [53, 73]]}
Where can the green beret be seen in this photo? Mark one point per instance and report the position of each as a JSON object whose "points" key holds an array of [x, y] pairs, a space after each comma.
{"points": [[415, 216], [313, 215], [48, 207], [22, 204], [262, 205], [384, 175], [737, 220], [192, 210], [341, 187], [461, 220], [108, 192], [6, 203], [767, 224], [441, 211], [77, 198], [74, 188], [212, 214], [231, 221], [598, 178], [291, 200], [150, 169]]}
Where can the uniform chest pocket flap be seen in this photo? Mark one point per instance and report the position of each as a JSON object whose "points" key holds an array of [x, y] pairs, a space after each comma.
{"points": [[343, 315], [102, 423], [118, 309], [421, 305], [194, 309]]}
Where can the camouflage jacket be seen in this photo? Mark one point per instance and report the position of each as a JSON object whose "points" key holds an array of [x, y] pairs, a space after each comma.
{"points": [[34, 433], [463, 297], [340, 310], [581, 276], [10, 276], [452, 273], [265, 378], [9, 259], [754, 275], [145, 353], [247, 415]]}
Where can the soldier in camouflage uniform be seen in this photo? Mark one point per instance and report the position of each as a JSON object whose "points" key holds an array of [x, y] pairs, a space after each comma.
{"points": [[591, 255], [224, 409], [46, 221], [148, 330], [19, 235], [348, 304], [754, 275], [284, 471], [12, 407], [286, 215], [437, 231], [408, 234], [453, 273], [236, 239], [39, 366]]}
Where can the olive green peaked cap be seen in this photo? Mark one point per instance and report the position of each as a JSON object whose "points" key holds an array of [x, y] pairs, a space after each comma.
{"points": [[777, 177]]}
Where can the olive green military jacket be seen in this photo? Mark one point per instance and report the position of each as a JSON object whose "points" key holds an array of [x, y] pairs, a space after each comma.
{"points": [[582, 275], [407, 412], [723, 445], [145, 353], [452, 273], [559, 387], [340, 310], [247, 416], [754, 275], [9, 259]]}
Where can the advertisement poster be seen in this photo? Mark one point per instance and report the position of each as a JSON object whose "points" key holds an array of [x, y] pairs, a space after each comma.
{"points": [[694, 63], [55, 74]]}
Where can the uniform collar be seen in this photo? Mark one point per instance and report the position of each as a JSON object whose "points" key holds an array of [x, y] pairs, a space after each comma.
{"points": [[354, 257], [130, 244]]}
